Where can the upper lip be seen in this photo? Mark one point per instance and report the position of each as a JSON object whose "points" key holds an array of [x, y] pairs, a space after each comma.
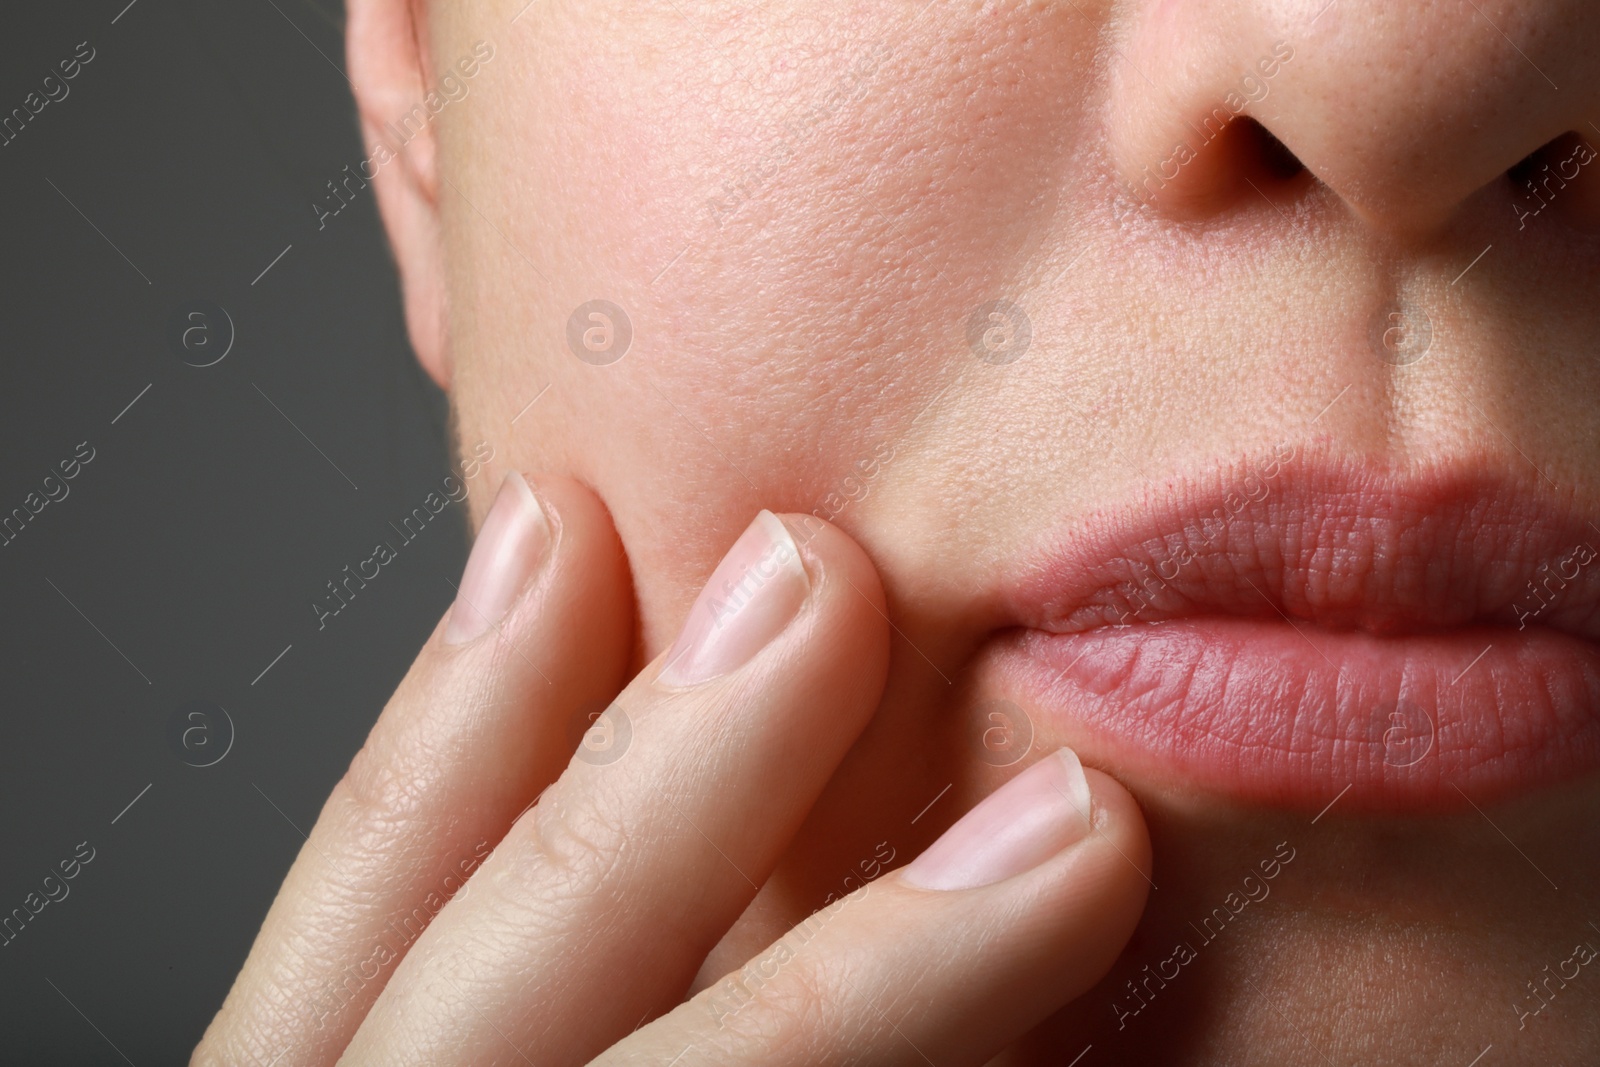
{"points": [[1287, 629], [1337, 543]]}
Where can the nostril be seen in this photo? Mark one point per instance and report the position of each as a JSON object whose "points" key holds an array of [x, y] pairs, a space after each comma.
{"points": [[1526, 171], [1236, 162], [1523, 170], [1559, 161], [1248, 159], [1270, 155], [1262, 165], [1557, 177]]}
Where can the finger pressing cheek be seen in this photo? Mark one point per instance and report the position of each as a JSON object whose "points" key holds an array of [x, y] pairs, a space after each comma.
{"points": [[487, 716], [601, 903]]}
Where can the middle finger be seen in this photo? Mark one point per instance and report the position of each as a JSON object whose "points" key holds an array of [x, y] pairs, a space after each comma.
{"points": [[597, 909]]}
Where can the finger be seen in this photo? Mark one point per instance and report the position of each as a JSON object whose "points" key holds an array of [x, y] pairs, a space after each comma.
{"points": [[541, 628], [1020, 907], [596, 910]]}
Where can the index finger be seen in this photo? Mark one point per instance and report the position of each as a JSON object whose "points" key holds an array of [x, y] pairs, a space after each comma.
{"points": [[484, 719]]}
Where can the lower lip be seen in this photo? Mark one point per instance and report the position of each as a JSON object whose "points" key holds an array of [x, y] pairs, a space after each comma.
{"points": [[1270, 713]]}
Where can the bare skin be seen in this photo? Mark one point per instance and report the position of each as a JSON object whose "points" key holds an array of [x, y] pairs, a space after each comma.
{"points": [[799, 208]]}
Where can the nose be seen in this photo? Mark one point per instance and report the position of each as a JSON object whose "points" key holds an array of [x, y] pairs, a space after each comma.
{"points": [[1406, 109]]}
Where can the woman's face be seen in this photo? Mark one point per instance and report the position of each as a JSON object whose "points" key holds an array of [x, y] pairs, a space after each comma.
{"points": [[1211, 382]]}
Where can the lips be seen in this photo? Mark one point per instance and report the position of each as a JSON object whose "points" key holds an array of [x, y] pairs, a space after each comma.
{"points": [[1299, 627]]}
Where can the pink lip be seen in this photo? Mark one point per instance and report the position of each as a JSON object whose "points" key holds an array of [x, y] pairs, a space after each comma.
{"points": [[1300, 627]]}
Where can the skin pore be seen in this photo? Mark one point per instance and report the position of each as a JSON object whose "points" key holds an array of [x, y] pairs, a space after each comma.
{"points": [[802, 208]]}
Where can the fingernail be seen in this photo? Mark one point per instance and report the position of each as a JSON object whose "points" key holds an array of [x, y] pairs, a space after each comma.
{"points": [[1014, 829], [754, 592], [511, 544]]}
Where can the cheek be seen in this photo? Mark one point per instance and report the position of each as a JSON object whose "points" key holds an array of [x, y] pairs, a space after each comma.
{"points": [[800, 227]]}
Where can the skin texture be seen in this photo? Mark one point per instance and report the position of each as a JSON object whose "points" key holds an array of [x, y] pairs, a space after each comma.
{"points": [[574, 926], [801, 205]]}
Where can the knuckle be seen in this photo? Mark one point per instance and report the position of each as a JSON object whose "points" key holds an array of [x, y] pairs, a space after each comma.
{"points": [[779, 1001], [377, 792], [568, 851]]}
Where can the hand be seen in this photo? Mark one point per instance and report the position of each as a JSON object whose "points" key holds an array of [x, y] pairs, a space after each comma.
{"points": [[439, 915]]}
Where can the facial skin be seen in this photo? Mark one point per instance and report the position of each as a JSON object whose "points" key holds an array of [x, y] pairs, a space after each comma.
{"points": [[800, 207]]}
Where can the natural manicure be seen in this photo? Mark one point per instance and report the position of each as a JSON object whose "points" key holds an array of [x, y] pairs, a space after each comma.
{"points": [[512, 543], [1014, 829], [754, 592]]}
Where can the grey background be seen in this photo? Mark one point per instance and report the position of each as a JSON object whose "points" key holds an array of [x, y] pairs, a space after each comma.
{"points": [[187, 553]]}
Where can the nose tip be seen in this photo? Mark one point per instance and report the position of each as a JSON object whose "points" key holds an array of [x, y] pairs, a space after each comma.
{"points": [[1404, 110]]}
